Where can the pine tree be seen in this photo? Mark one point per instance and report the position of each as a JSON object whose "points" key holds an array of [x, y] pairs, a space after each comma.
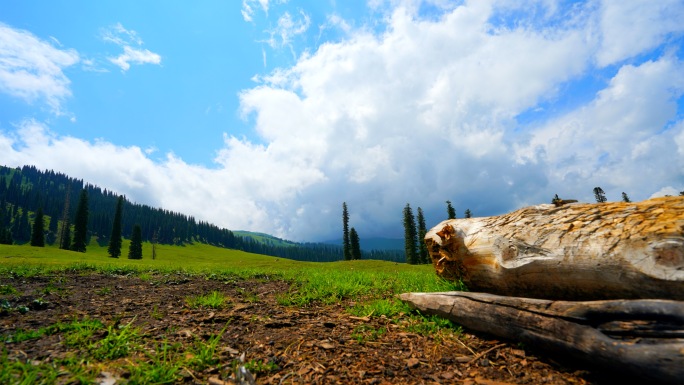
{"points": [[451, 212], [52, 230], [65, 232], [114, 248], [135, 249], [154, 245], [354, 244], [410, 235], [625, 198], [468, 214], [81, 223], [65, 241], [422, 230], [22, 227], [599, 195], [346, 246], [38, 233]]}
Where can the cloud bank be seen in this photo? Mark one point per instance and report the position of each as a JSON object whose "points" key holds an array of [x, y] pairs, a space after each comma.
{"points": [[485, 104]]}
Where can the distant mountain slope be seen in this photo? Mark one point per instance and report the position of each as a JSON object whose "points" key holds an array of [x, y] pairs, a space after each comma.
{"points": [[368, 244], [264, 238]]}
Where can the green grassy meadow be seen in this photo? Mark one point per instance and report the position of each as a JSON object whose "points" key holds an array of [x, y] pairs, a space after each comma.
{"points": [[368, 286], [316, 281]]}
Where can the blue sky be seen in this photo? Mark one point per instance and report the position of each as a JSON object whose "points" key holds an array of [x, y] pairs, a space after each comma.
{"points": [[266, 115]]}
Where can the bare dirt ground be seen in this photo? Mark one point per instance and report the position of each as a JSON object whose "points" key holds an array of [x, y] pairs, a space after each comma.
{"points": [[316, 344]]}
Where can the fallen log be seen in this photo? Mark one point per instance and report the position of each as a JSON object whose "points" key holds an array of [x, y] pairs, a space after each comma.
{"points": [[575, 251], [644, 338]]}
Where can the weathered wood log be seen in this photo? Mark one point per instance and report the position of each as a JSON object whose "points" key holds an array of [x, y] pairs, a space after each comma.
{"points": [[574, 251], [639, 337]]}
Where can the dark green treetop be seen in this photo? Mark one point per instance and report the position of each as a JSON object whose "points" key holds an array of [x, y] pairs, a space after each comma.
{"points": [[354, 244], [135, 249], [451, 212], [81, 224], [410, 235], [38, 232], [423, 255], [600, 195], [114, 248], [346, 246]]}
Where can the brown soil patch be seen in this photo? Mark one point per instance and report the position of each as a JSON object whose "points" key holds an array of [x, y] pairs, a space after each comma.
{"points": [[316, 344]]}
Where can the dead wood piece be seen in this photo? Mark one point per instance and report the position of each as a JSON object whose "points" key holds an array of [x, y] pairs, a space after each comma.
{"points": [[641, 337], [575, 251]]}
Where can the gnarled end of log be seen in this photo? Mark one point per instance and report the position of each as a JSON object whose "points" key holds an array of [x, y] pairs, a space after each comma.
{"points": [[572, 251]]}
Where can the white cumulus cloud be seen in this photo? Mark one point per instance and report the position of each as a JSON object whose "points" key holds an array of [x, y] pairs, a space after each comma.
{"points": [[135, 56], [32, 69], [632, 27], [130, 42]]}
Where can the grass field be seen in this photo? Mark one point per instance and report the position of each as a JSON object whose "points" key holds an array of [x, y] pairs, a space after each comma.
{"points": [[324, 281], [369, 287]]}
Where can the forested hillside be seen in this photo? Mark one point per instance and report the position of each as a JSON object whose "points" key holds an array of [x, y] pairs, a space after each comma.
{"points": [[23, 191]]}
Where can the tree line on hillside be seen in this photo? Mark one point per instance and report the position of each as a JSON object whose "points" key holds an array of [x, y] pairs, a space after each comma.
{"points": [[27, 192]]}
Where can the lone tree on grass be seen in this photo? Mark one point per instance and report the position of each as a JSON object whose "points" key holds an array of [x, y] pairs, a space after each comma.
{"points": [[625, 198], [451, 212], [422, 230], [599, 195], [38, 233], [65, 232], [354, 244], [410, 235], [114, 248], [65, 240], [346, 246], [135, 249], [81, 224]]}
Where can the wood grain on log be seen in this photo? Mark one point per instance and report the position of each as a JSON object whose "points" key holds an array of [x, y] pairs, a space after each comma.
{"points": [[575, 251], [639, 337]]}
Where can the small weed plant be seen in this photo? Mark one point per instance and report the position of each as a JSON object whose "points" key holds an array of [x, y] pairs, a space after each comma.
{"points": [[117, 343], [7, 290], [213, 300], [365, 333], [204, 354], [104, 291], [260, 366]]}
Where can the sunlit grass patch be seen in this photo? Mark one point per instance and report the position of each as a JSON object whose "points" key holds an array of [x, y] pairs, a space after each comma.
{"points": [[388, 307], [7, 290], [117, 343], [213, 300], [203, 354]]}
